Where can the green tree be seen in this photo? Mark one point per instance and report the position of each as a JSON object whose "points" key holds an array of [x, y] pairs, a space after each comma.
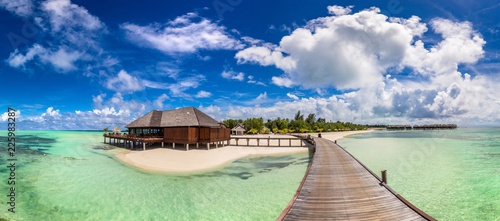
{"points": [[230, 123], [252, 131], [311, 118]]}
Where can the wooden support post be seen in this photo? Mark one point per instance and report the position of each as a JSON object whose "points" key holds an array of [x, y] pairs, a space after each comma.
{"points": [[216, 145], [162, 144], [247, 141], [197, 145], [132, 145], [258, 141], [335, 141], [384, 176], [290, 142], [187, 146], [236, 141], [301, 141], [104, 139], [144, 146], [173, 145], [208, 146], [268, 141], [279, 142]]}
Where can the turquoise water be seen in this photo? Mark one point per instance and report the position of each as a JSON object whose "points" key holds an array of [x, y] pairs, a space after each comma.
{"points": [[449, 174], [79, 179]]}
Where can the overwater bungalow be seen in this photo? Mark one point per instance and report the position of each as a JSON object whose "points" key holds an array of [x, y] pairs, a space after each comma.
{"points": [[435, 126], [399, 127], [185, 126], [179, 126]]}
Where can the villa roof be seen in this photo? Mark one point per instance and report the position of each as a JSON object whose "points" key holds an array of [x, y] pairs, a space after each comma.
{"points": [[116, 129], [181, 117], [239, 127]]}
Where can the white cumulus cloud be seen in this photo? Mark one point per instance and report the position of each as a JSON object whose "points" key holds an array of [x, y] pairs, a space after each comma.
{"points": [[292, 96], [339, 10], [186, 34], [21, 8], [158, 103], [203, 94], [124, 82], [70, 38], [240, 76]]}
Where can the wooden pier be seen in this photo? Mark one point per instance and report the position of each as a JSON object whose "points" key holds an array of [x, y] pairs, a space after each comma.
{"points": [[136, 142], [337, 186], [288, 140]]}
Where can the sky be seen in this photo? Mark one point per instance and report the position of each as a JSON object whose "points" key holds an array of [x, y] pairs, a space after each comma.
{"points": [[86, 65]]}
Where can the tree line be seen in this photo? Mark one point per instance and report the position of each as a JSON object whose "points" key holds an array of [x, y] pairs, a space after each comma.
{"points": [[297, 124]]}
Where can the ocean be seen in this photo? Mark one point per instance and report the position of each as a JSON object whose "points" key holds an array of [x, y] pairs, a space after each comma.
{"points": [[79, 178], [449, 174]]}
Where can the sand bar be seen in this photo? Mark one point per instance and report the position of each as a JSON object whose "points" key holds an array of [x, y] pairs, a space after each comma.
{"points": [[179, 160]]}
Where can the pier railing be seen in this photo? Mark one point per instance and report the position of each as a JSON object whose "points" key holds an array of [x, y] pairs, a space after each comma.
{"points": [[382, 182], [268, 139]]}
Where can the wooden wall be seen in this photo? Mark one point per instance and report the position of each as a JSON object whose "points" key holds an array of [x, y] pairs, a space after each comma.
{"points": [[196, 134]]}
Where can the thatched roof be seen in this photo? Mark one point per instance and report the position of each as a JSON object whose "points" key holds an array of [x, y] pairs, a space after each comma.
{"points": [[116, 129], [239, 127], [175, 118]]}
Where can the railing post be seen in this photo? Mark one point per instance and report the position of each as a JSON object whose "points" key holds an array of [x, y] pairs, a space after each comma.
{"points": [[384, 176]]}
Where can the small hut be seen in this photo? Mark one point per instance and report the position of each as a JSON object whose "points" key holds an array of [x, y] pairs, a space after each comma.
{"points": [[116, 130], [239, 129]]}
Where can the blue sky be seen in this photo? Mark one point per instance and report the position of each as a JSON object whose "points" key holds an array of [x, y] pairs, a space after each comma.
{"points": [[91, 64]]}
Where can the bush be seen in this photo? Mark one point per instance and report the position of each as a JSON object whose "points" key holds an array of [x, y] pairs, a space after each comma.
{"points": [[252, 131]]}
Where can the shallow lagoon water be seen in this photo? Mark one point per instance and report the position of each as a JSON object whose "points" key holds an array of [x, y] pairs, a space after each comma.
{"points": [[449, 174], [80, 179]]}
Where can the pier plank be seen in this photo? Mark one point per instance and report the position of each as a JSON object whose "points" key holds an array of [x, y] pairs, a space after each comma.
{"points": [[338, 187]]}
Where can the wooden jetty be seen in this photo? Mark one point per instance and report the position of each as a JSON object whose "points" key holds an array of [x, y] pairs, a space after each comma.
{"points": [[136, 142], [435, 126], [399, 127], [268, 139], [337, 186], [422, 127]]}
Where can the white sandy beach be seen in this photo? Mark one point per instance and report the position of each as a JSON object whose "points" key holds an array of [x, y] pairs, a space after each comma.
{"points": [[195, 160]]}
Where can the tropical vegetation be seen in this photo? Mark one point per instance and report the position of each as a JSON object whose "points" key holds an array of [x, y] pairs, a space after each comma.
{"points": [[297, 124]]}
